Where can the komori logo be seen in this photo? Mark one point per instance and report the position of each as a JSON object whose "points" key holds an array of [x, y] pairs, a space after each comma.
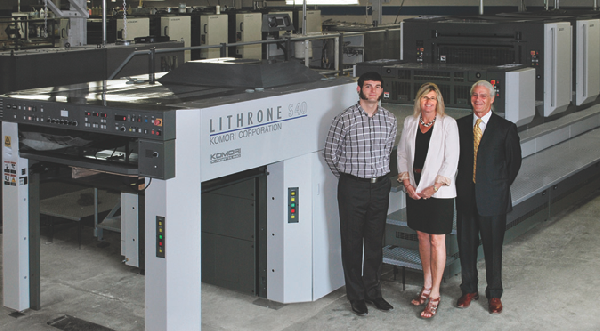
{"points": [[226, 156]]}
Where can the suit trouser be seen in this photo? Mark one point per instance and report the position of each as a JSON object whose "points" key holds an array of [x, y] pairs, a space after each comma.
{"points": [[363, 212], [491, 228]]}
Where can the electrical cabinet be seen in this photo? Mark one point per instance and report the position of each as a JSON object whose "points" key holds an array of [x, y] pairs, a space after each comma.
{"points": [[213, 31], [248, 27], [135, 27], [587, 66], [178, 28]]}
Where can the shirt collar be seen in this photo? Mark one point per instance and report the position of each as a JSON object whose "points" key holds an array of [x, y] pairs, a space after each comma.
{"points": [[360, 108], [484, 119]]}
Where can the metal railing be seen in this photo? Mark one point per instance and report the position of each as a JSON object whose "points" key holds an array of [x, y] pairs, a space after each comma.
{"points": [[285, 41]]}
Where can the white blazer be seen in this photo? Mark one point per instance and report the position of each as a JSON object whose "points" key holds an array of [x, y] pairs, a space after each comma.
{"points": [[442, 158]]}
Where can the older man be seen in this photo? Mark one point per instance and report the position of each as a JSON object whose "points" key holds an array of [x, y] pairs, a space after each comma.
{"points": [[490, 158]]}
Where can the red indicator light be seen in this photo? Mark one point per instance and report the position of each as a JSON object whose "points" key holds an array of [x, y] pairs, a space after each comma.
{"points": [[160, 243], [293, 210]]}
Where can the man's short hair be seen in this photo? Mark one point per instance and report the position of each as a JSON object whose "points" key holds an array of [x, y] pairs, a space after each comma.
{"points": [[369, 76], [485, 84]]}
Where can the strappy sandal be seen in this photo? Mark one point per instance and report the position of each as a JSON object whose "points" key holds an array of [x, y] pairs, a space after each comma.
{"points": [[431, 308], [422, 298]]}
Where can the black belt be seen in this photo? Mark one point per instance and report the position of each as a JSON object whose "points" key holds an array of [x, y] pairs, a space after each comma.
{"points": [[366, 180]]}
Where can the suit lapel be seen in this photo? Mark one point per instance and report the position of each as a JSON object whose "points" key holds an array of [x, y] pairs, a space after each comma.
{"points": [[489, 131]]}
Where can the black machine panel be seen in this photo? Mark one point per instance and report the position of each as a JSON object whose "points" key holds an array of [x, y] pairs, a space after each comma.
{"points": [[402, 81], [479, 41]]}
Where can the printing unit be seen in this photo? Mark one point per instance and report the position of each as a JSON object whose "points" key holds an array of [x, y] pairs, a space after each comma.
{"points": [[545, 45], [190, 139]]}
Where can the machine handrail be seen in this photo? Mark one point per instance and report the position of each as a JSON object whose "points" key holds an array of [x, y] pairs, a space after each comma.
{"points": [[224, 46]]}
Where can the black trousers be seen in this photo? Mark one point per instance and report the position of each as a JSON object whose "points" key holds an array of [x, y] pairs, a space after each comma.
{"points": [[363, 212], [469, 226]]}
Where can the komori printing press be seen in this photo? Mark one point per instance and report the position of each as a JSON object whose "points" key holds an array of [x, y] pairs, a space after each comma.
{"points": [[199, 130]]}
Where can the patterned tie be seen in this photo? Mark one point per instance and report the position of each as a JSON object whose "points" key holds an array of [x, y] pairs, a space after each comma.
{"points": [[476, 139]]}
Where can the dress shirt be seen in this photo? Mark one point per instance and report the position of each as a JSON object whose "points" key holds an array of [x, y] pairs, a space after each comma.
{"points": [[484, 120], [360, 145]]}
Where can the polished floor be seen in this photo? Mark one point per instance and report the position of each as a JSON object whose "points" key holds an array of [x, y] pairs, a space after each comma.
{"points": [[550, 277]]}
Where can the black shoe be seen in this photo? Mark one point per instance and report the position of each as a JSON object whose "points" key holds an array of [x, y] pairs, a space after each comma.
{"points": [[359, 307], [380, 303]]}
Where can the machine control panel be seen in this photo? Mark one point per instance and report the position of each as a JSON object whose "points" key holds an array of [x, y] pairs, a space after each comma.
{"points": [[153, 125]]}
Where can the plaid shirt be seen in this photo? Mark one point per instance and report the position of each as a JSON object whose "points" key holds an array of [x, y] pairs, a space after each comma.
{"points": [[360, 145]]}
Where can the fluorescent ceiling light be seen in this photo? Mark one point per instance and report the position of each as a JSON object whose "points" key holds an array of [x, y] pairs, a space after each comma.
{"points": [[322, 2]]}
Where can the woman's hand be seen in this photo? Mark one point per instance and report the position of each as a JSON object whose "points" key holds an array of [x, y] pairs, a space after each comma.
{"points": [[427, 192], [411, 192]]}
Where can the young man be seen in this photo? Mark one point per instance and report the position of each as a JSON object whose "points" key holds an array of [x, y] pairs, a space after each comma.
{"points": [[357, 150]]}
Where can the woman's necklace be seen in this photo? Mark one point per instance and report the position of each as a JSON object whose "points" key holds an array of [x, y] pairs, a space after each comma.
{"points": [[429, 123]]}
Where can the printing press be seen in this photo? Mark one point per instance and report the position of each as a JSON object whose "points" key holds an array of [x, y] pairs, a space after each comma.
{"points": [[229, 173]]}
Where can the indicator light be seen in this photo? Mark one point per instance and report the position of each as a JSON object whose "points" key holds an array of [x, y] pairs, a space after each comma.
{"points": [[293, 206], [160, 237]]}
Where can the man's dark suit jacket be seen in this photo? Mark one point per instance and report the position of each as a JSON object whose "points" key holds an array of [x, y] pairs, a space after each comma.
{"points": [[498, 162]]}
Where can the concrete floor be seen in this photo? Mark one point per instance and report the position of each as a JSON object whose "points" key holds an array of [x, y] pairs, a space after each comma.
{"points": [[550, 277]]}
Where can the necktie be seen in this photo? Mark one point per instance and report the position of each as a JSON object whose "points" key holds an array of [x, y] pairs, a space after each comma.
{"points": [[476, 139]]}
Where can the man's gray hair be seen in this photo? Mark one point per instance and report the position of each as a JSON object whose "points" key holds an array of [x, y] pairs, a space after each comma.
{"points": [[485, 84]]}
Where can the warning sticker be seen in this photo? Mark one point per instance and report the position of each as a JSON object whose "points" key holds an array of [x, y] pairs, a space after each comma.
{"points": [[10, 173], [7, 141]]}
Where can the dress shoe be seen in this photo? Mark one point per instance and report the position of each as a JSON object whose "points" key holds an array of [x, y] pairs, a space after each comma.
{"points": [[359, 307], [465, 300], [495, 305], [380, 303]]}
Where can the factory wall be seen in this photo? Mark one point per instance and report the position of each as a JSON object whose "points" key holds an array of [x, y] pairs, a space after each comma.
{"points": [[393, 12]]}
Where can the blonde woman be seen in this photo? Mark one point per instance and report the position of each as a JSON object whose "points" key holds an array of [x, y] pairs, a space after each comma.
{"points": [[427, 161]]}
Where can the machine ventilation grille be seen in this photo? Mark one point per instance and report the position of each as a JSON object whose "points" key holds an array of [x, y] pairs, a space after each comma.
{"points": [[461, 54], [404, 74], [1, 109], [432, 75], [401, 91], [445, 89], [461, 95], [459, 76]]}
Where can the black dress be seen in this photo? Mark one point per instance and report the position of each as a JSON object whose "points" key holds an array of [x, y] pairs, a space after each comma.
{"points": [[433, 216]]}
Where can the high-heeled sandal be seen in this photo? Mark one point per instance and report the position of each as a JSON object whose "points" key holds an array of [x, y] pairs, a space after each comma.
{"points": [[431, 308], [422, 298]]}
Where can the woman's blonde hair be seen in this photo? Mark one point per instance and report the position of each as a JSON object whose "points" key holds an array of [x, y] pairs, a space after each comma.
{"points": [[426, 88]]}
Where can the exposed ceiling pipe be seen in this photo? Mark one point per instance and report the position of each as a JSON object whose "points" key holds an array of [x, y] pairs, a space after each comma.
{"points": [[480, 7], [595, 4], [556, 4], [546, 4]]}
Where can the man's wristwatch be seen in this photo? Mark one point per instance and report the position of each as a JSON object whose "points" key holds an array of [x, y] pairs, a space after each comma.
{"points": [[435, 188]]}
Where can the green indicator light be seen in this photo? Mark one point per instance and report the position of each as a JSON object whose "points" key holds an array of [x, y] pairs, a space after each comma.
{"points": [[160, 236], [293, 205]]}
